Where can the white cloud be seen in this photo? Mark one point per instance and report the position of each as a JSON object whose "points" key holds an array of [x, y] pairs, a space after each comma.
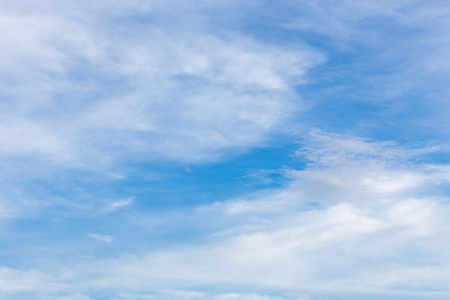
{"points": [[103, 238], [238, 296], [421, 28], [12, 281], [356, 227], [185, 294], [86, 90], [201, 94], [366, 224], [119, 204], [81, 90]]}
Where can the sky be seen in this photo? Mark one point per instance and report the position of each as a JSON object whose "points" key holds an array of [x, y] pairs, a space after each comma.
{"points": [[224, 150]]}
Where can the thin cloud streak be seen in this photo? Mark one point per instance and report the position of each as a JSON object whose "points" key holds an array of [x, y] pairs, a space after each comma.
{"points": [[120, 204], [104, 238]]}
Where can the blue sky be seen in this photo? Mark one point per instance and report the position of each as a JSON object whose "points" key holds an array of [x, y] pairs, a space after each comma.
{"points": [[248, 150]]}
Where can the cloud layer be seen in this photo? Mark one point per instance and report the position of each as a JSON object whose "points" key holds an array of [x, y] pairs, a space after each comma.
{"points": [[104, 102], [81, 92], [362, 224]]}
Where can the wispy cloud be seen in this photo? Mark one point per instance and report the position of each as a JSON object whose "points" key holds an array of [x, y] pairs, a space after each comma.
{"points": [[96, 93], [364, 224], [119, 204], [84, 91], [13, 281], [353, 227], [104, 238], [223, 91]]}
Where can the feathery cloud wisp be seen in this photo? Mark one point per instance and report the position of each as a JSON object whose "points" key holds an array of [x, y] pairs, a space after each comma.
{"points": [[104, 238]]}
